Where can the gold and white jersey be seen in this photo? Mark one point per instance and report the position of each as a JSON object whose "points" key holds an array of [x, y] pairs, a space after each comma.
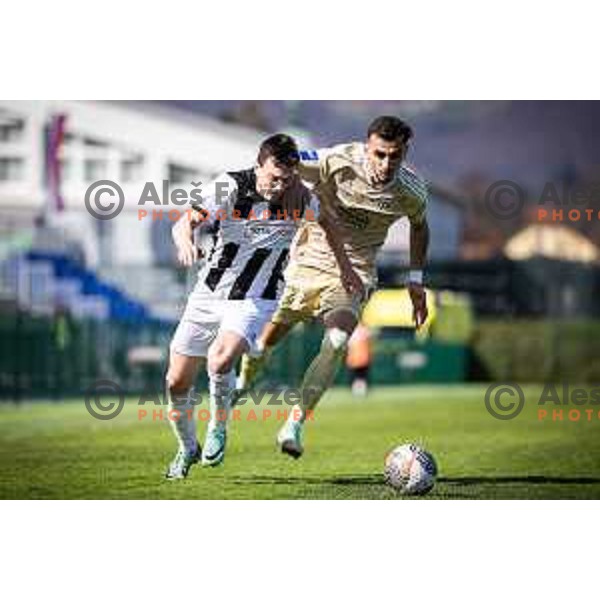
{"points": [[361, 212]]}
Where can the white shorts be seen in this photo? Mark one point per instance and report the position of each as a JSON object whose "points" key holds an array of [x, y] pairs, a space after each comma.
{"points": [[201, 323]]}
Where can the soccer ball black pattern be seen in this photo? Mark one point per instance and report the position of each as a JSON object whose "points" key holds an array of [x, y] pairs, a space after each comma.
{"points": [[410, 469]]}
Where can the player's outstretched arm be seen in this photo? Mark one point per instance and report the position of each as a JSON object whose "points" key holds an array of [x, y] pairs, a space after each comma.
{"points": [[419, 244], [351, 281]]}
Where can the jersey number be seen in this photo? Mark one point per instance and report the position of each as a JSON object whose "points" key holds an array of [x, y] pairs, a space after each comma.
{"points": [[244, 280]]}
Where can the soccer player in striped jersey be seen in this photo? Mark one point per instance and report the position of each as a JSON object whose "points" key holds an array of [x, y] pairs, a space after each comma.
{"points": [[253, 216], [365, 188]]}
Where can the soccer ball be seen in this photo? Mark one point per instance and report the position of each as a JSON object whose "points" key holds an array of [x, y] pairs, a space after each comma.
{"points": [[410, 469]]}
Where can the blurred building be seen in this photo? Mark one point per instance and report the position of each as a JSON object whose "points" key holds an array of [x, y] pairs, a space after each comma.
{"points": [[128, 143], [52, 151]]}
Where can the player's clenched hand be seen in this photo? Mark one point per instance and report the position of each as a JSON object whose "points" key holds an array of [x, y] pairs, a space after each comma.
{"points": [[418, 297]]}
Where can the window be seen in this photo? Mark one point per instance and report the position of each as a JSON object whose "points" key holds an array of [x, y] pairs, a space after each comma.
{"points": [[11, 168], [131, 168], [11, 129], [94, 169], [180, 174], [92, 143]]}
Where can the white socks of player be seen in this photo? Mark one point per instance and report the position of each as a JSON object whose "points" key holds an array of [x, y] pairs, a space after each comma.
{"points": [[221, 386], [182, 421]]}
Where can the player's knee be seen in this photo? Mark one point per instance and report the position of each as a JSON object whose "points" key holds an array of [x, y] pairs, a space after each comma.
{"points": [[337, 338], [177, 383], [220, 362]]}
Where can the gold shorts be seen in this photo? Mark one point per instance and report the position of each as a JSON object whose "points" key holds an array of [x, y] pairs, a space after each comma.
{"points": [[304, 299]]}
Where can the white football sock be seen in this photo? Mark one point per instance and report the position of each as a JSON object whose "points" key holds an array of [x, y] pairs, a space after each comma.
{"points": [[221, 386], [184, 427]]}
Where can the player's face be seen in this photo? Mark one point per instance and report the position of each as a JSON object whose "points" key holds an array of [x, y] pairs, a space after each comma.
{"points": [[384, 157], [273, 178]]}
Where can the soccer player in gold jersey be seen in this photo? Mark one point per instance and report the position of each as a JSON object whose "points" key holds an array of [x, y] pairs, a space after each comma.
{"points": [[364, 188]]}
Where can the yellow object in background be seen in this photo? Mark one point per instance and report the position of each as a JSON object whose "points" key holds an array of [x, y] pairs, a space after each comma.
{"points": [[450, 315], [393, 308]]}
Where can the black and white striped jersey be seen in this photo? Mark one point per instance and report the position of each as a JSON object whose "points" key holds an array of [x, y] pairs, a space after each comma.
{"points": [[251, 239]]}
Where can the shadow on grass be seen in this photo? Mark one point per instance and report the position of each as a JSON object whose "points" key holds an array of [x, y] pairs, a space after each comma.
{"points": [[373, 487], [346, 480], [369, 480]]}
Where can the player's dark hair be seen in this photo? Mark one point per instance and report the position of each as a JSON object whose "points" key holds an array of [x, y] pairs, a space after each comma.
{"points": [[390, 129], [282, 148]]}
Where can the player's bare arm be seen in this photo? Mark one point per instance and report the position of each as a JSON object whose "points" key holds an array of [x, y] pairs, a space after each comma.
{"points": [[351, 281], [419, 243], [183, 237]]}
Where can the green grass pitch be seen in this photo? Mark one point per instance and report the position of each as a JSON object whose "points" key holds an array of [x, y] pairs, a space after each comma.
{"points": [[59, 451]]}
